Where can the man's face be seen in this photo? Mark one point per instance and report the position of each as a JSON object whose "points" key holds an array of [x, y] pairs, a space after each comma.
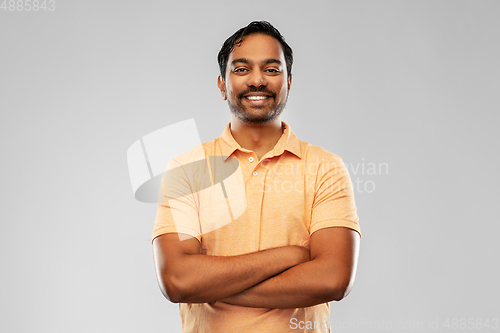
{"points": [[256, 85]]}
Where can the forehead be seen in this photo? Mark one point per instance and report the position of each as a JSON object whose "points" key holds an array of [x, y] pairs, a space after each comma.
{"points": [[258, 47]]}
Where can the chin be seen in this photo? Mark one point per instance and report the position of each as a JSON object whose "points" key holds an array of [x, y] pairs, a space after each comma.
{"points": [[257, 119], [256, 115]]}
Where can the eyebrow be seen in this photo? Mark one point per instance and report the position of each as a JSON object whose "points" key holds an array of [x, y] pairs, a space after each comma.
{"points": [[265, 62]]}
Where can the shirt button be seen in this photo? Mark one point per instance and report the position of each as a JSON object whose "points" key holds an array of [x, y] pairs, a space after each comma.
{"points": [[254, 173], [250, 159]]}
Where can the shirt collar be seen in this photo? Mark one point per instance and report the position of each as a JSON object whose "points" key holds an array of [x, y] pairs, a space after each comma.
{"points": [[288, 141]]}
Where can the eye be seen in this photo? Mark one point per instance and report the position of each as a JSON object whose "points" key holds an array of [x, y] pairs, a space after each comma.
{"points": [[273, 70], [239, 70]]}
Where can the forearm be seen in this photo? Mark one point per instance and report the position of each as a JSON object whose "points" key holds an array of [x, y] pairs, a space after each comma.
{"points": [[304, 285], [203, 278]]}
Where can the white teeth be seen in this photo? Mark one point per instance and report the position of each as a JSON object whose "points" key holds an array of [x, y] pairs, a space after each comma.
{"points": [[255, 98]]}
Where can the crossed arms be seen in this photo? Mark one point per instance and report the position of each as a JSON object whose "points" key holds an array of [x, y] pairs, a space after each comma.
{"points": [[283, 277]]}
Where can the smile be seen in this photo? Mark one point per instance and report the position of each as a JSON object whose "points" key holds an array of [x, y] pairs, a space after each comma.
{"points": [[256, 98]]}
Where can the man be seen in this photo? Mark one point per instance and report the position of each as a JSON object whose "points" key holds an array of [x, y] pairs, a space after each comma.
{"points": [[276, 265]]}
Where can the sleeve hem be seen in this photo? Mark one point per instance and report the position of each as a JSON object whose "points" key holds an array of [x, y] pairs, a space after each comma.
{"points": [[335, 223], [168, 230]]}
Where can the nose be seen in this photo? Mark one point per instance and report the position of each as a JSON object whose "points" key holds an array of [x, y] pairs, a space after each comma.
{"points": [[256, 79]]}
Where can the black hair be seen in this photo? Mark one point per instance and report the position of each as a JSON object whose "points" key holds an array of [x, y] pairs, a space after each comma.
{"points": [[254, 27]]}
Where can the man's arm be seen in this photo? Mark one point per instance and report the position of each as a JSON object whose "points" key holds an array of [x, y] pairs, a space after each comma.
{"points": [[329, 276], [186, 276]]}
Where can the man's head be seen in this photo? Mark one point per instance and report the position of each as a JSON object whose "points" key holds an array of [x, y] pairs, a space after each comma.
{"points": [[254, 27], [255, 64]]}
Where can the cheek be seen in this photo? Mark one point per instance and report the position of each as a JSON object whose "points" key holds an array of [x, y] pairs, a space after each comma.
{"points": [[283, 90], [230, 91]]}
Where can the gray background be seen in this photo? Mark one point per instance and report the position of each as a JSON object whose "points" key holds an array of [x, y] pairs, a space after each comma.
{"points": [[412, 85]]}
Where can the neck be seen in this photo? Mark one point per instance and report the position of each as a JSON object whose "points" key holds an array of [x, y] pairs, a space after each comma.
{"points": [[260, 138]]}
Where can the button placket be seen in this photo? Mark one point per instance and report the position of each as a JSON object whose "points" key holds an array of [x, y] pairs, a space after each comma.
{"points": [[254, 204]]}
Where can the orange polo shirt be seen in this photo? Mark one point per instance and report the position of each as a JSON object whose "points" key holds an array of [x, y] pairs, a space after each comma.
{"points": [[233, 204]]}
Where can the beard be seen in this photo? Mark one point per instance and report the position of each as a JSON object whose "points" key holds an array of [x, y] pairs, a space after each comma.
{"points": [[261, 115]]}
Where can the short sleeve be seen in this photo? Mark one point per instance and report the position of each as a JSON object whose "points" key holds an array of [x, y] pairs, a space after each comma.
{"points": [[333, 204], [177, 210]]}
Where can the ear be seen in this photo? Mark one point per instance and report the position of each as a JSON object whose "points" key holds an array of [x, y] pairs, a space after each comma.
{"points": [[222, 87], [289, 82]]}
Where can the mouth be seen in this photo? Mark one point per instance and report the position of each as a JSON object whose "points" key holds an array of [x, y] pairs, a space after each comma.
{"points": [[257, 99]]}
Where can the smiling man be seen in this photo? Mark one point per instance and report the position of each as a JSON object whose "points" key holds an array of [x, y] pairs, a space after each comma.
{"points": [[276, 266], [256, 87]]}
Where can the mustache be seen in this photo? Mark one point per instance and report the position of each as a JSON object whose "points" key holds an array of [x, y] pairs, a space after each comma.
{"points": [[260, 89]]}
